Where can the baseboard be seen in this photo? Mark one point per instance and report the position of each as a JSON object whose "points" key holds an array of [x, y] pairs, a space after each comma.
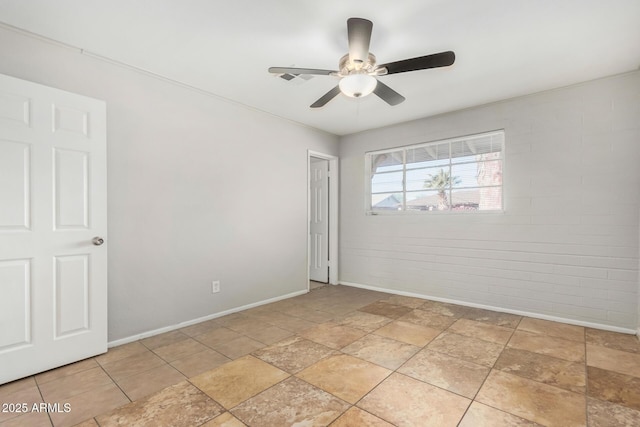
{"points": [[500, 309], [170, 328]]}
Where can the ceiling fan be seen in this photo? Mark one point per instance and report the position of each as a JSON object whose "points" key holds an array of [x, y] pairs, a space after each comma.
{"points": [[358, 69]]}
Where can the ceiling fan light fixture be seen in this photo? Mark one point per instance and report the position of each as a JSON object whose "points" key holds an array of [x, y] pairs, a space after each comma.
{"points": [[357, 85]]}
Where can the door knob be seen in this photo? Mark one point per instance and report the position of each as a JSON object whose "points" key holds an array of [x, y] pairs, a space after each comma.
{"points": [[97, 241]]}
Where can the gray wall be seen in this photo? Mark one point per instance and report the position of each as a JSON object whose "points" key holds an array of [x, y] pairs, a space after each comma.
{"points": [[567, 244], [198, 189]]}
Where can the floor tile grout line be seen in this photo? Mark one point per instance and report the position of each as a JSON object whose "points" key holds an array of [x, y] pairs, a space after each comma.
{"points": [[396, 371], [427, 344], [392, 371], [174, 343], [210, 397], [301, 379], [251, 397], [63, 367], [473, 399], [344, 353], [371, 391], [502, 410], [321, 389], [112, 380], [155, 337], [491, 368], [546, 355], [295, 333], [505, 345], [117, 385], [42, 397], [84, 392], [498, 409], [439, 352], [143, 371], [295, 375], [351, 405]]}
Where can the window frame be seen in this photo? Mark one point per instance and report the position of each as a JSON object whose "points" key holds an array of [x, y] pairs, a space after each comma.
{"points": [[404, 148]]}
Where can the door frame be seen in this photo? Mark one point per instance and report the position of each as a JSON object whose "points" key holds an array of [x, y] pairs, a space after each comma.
{"points": [[333, 213]]}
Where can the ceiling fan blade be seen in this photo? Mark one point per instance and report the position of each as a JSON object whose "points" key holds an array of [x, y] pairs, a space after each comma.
{"points": [[387, 94], [289, 70], [442, 59], [359, 31], [326, 97]]}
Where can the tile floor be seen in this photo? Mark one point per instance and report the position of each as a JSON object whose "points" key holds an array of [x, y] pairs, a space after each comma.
{"points": [[343, 356]]}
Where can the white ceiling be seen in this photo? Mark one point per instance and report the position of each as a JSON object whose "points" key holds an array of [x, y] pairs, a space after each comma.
{"points": [[504, 48]]}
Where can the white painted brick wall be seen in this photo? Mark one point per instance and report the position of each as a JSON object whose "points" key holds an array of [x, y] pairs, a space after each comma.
{"points": [[567, 244]]}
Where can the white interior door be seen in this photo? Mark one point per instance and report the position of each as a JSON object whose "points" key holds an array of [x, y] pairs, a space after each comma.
{"points": [[319, 220], [53, 278]]}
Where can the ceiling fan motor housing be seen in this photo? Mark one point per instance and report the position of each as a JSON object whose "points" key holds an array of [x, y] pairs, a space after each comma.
{"points": [[347, 67]]}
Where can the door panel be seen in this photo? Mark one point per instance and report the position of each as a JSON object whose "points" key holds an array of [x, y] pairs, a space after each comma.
{"points": [[14, 186], [72, 290], [15, 304], [319, 221], [71, 189], [70, 122], [14, 110], [53, 280]]}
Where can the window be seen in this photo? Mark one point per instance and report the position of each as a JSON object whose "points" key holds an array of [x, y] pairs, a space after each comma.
{"points": [[459, 174]]}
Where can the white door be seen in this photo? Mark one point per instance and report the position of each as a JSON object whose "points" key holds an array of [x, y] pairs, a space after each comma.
{"points": [[319, 220], [53, 278]]}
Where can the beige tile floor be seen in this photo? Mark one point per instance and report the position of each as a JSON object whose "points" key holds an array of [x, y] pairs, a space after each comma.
{"points": [[343, 356]]}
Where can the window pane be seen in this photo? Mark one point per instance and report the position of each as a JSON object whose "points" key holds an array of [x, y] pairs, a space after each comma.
{"points": [[386, 182], [465, 200], [386, 202], [435, 178], [483, 199], [461, 149], [490, 199], [489, 156], [465, 159], [432, 200], [472, 146], [429, 164], [386, 162], [464, 175], [419, 155], [483, 145], [431, 178], [477, 174], [416, 178], [428, 156], [490, 173]]}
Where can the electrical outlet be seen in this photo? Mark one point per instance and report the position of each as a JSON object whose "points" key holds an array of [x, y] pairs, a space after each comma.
{"points": [[215, 286]]}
